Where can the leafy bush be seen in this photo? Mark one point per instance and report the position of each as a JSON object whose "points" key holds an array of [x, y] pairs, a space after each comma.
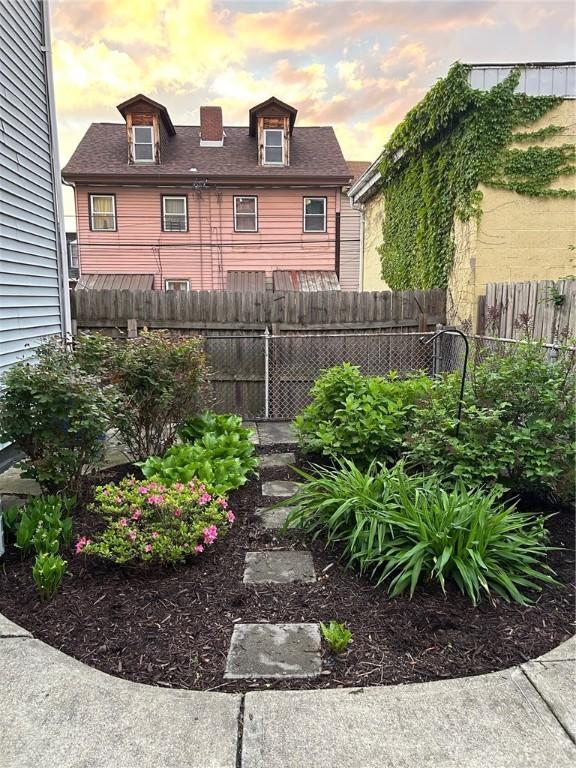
{"points": [[147, 522], [337, 636], [159, 378], [419, 531], [222, 457], [517, 428], [57, 415], [41, 524], [48, 572], [360, 417]]}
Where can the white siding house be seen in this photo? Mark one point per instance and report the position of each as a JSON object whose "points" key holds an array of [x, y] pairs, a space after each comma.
{"points": [[34, 299]]}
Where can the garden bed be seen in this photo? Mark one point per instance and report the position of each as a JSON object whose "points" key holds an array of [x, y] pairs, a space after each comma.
{"points": [[172, 626]]}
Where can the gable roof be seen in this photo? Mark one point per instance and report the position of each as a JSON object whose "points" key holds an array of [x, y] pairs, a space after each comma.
{"points": [[315, 154], [272, 101], [357, 168], [162, 111]]}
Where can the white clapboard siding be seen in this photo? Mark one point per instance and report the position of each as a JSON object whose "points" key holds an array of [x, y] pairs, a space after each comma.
{"points": [[349, 245], [31, 283]]}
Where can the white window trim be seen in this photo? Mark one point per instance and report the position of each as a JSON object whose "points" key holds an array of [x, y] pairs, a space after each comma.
{"points": [[273, 162], [164, 214], [176, 280], [147, 143], [113, 214], [315, 215], [246, 197]]}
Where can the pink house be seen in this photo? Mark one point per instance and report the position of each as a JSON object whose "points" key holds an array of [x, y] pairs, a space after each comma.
{"points": [[211, 206]]}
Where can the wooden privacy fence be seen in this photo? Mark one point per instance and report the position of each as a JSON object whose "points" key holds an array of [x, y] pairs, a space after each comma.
{"points": [[545, 308], [264, 350]]}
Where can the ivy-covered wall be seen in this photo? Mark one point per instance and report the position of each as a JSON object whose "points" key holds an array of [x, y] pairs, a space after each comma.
{"points": [[453, 146]]}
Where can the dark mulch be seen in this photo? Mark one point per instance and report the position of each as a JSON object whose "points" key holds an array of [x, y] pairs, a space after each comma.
{"points": [[172, 627]]}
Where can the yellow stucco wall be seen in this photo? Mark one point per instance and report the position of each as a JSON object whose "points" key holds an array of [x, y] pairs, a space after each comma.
{"points": [[373, 218], [518, 238]]}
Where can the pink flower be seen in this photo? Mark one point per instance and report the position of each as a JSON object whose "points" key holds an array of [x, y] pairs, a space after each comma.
{"points": [[81, 543], [155, 534], [178, 512], [105, 492], [191, 484], [210, 534], [118, 500], [230, 516], [198, 549], [132, 535], [136, 515], [222, 502], [148, 548], [152, 485], [123, 521], [143, 489], [161, 488], [155, 499], [178, 487], [205, 498], [131, 481]]}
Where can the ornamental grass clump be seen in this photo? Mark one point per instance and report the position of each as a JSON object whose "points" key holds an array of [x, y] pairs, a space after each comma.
{"points": [[148, 522], [407, 529]]}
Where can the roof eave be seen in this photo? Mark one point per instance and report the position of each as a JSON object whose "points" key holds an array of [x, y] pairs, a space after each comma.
{"points": [[366, 185], [165, 179]]}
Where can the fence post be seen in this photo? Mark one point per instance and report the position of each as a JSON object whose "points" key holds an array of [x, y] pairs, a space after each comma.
{"points": [[436, 354], [266, 373], [132, 327]]}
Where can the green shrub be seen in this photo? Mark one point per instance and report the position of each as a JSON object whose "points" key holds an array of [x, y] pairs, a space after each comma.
{"points": [[517, 428], [149, 523], [417, 531], [43, 524], [360, 417], [57, 415], [222, 457], [48, 572], [159, 378]]}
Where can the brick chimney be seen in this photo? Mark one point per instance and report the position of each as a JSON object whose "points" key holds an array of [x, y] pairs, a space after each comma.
{"points": [[211, 129]]}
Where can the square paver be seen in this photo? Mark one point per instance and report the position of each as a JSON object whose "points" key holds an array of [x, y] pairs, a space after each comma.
{"points": [[284, 489], [274, 650], [277, 460], [278, 567], [273, 517], [276, 432]]}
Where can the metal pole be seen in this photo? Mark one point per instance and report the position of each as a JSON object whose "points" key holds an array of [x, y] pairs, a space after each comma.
{"points": [[266, 373], [454, 331]]}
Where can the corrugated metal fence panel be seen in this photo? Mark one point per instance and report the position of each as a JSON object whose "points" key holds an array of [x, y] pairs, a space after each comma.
{"points": [[29, 294], [535, 79]]}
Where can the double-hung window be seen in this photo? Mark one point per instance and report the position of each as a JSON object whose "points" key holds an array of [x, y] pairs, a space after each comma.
{"points": [[245, 214], [143, 142], [314, 214], [174, 213], [103, 212], [273, 146]]}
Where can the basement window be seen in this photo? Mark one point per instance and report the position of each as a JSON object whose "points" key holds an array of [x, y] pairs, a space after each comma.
{"points": [[174, 214], [273, 146], [177, 285], [245, 214], [143, 143], [103, 212], [314, 214]]}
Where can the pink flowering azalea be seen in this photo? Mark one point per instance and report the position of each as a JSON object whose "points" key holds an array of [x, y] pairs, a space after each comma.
{"points": [[178, 487], [123, 521], [131, 481], [198, 549], [191, 484], [148, 548], [118, 500], [105, 492], [81, 543], [210, 534], [155, 534], [155, 499], [136, 515], [230, 516], [178, 512], [152, 485], [132, 535], [143, 489], [222, 502], [204, 499]]}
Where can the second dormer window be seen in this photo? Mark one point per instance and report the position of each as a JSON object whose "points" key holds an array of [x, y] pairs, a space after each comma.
{"points": [[143, 141], [273, 146]]}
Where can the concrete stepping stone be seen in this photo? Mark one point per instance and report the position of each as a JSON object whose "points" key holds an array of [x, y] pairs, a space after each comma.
{"points": [[254, 439], [278, 567], [284, 489], [274, 651], [277, 460], [13, 484], [276, 432], [273, 517]]}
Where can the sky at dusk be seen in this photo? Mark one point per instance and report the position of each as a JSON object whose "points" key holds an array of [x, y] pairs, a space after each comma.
{"points": [[356, 65]]}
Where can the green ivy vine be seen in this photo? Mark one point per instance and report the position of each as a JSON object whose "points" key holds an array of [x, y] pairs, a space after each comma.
{"points": [[453, 140]]}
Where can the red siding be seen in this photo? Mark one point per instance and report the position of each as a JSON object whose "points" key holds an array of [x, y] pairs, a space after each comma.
{"points": [[210, 247]]}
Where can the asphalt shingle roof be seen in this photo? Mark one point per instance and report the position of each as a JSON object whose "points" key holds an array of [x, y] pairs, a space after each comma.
{"points": [[314, 152]]}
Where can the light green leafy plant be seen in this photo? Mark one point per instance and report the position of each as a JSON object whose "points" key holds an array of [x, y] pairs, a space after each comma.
{"points": [[337, 636], [48, 572], [43, 524]]}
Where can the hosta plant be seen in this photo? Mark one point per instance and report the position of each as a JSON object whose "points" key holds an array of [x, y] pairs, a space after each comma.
{"points": [[48, 572], [148, 522], [218, 424], [43, 524]]}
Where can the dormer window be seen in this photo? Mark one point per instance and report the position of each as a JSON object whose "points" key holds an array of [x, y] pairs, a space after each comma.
{"points": [[273, 146], [143, 143]]}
